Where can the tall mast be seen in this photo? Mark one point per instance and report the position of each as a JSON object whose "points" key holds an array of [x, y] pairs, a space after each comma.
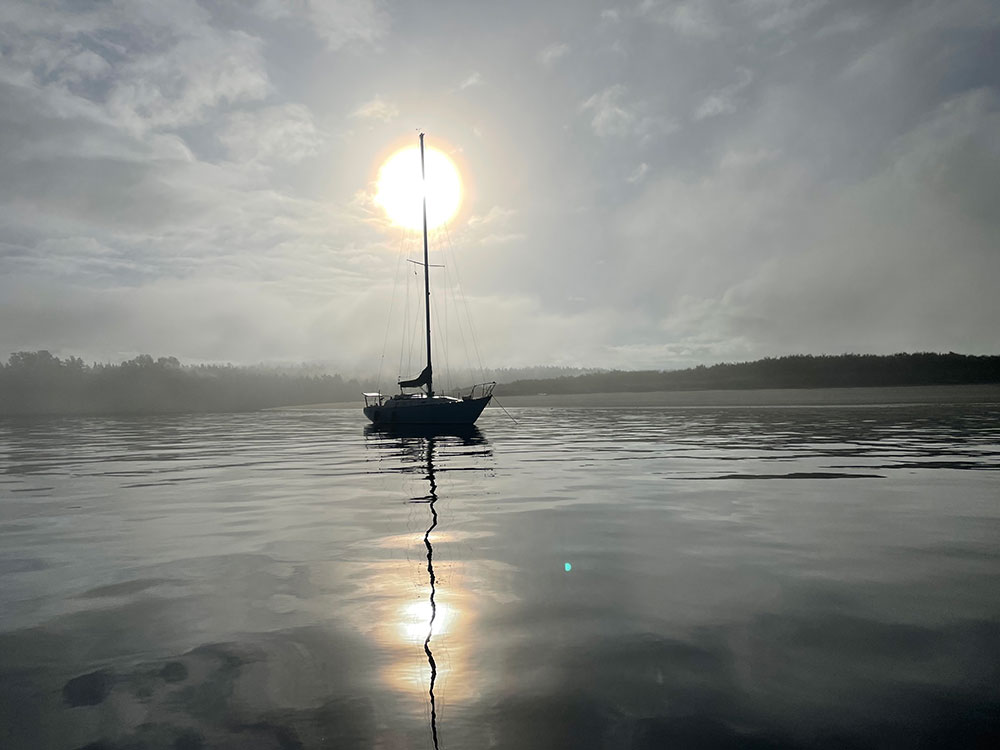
{"points": [[427, 274]]}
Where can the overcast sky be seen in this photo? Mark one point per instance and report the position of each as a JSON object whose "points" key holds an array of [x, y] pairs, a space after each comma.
{"points": [[651, 184]]}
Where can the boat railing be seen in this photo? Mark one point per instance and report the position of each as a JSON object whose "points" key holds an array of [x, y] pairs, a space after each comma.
{"points": [[468, 393], [479, 390]]}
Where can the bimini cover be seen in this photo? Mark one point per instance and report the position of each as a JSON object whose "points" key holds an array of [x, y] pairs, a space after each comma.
{"points": [[422, 379]]}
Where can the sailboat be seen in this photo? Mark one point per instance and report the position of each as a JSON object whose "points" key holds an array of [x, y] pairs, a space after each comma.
{"points": [[425, 407]]}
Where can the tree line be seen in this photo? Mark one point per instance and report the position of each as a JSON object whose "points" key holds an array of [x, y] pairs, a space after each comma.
{"points": [[797, 371], [40, 383]]}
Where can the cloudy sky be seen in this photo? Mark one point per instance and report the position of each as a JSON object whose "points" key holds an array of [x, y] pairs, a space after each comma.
{"points": [[648, 184]]}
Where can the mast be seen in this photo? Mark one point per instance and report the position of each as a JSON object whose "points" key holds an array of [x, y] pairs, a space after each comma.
{"points": [[427, 275]]}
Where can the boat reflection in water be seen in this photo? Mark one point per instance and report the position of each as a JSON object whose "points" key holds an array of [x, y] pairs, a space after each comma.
{"points": [[417, 445]]}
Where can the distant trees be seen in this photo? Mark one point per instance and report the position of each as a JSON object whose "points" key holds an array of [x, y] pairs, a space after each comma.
{"points": [[797, 371], [538, 372], [40, 383]]}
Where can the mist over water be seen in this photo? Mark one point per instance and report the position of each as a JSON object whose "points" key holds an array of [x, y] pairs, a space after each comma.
{"points": [[628, 577]]}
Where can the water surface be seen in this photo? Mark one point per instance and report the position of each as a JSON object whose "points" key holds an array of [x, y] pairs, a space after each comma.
{"points": [[628, 577]]}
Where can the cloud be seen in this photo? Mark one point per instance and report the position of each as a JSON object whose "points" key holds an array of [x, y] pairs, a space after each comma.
{"points": [[177, 86], [122, 225], [376, 109], [614, 115], [475, 79], [726, 99], [494, 215], [504, 320], [694, 18], [68, 258], [492, 228], [337, 22], [552, 53], [209, 320], [134, 66], [713, 19], [285, 133], [782, 15], [610, 116], [759, 256], [501, 239], [638, 174]]}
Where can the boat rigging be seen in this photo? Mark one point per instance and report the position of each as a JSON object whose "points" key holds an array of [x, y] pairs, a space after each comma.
{"points": [[427, 407]]}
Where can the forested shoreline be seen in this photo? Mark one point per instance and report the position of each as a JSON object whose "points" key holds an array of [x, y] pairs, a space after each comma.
{"points": [[39, 383], [34, 383], [797, 371]]}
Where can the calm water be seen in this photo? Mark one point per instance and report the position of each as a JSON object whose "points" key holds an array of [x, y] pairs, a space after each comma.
{"points": [[587, 578]]}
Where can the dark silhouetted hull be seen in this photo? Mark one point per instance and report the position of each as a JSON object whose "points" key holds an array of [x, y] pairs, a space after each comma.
{"points": [[427, 411]]}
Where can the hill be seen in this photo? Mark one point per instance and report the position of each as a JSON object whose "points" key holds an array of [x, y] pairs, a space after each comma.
{"points": [[798, 371]]}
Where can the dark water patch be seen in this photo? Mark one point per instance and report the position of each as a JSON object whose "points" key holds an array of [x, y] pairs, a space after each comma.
{"points": [[946, 550], [125, 588], [166, 481], [701, 732], [567, 719], [219, 695], [795, 475], [22, 565], [957, 465], [152, 735], [174, 671], [27, 469], [88, 689], [858, 637]]}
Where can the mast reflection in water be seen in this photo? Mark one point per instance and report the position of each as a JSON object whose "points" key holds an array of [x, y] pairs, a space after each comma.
{"points": [[420, 443]]}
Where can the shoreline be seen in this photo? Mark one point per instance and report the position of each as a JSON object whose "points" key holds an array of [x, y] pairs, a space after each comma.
{"points": [[767, 397]]}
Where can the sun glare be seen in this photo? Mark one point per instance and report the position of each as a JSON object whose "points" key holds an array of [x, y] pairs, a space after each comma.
{"points": [[399, 188]]}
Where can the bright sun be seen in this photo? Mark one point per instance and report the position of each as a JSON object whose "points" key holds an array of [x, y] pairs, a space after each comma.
{"points": [[399, 189]]}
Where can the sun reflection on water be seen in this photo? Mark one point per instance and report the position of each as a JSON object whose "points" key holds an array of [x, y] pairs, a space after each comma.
{"points": [[422, 619], [414, 624]]}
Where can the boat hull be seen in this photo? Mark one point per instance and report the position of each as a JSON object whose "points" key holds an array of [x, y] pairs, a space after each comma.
{"points": [[427, 411]]}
